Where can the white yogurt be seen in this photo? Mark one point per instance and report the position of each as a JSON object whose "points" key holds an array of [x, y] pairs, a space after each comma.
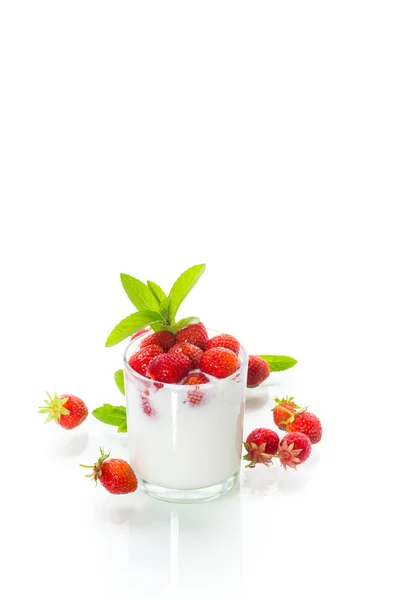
{"points": [[179, 445]]}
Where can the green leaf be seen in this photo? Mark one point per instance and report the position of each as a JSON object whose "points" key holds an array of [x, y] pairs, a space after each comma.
{"points": [[185, 322], [157, 292], [182, 323], [131, 324], [278, 363], [123, 428], [138, 293], [181, 288], [111, 415], [119, 380], [164, 308]]}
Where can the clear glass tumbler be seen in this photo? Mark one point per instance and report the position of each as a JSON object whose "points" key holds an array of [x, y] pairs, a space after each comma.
{"points": [[185, 447]]}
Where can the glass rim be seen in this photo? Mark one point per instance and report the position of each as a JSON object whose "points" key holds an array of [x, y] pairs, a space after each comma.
{"points": [[180, 386]]}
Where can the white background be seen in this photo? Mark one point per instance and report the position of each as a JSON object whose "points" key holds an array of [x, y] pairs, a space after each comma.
{"points": [[263, 139]]}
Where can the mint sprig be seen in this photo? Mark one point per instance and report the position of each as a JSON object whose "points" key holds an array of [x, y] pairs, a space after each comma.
{"points": [[112, 415], [278, 363], [155, 308]]}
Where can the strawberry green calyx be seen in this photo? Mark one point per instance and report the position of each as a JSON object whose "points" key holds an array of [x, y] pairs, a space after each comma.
{"points": [[256, 454], [294, 415], [283, 403], [54, 407], [97, 467]]}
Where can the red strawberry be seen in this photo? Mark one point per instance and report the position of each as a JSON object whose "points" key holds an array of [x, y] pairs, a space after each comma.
{"points": [[195, 396], [196, 379], [294, 449], [191, 351], [146, 406], [169, 368], [67, 410], [283, 410], [135, 335], [258, 371], [307, 423], [219, 362], [194, 334], [115, 474], [261, 445], [140, 360], [165, 339], [224, 341]]}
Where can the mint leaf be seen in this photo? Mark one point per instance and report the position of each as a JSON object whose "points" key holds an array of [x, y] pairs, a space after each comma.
{"points": [[119, 380], [112, 415], [138, 293], [278, 363], [164, 307], [181, 288], [157, 292], [183, 323], [131, 324]]}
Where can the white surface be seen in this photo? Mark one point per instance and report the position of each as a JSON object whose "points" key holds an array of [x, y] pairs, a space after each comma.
{"points": [[263, 139]]}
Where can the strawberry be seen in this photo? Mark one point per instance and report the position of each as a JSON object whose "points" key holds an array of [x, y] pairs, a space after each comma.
{"points": [[140, 360], [294, 449], [224, 341], [169, 368], [306, 423], [219, 362], [190, 350], [163, 338], [195, 378], [67, 410], [146, 405], [115, 474], [194, 334], [261, 445], [283, 410], [257, 372], [195, 396]]}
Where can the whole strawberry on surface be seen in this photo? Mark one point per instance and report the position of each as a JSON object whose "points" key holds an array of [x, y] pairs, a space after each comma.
{"points": [[66, 410], [258, 371], [284, 410], [261, 445], [307, 423], [115, 474], [294, 449]]}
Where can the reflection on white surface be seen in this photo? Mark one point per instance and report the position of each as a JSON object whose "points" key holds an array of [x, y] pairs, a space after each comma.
{"points": [[69, 444], [174, 549], [185, 550]]}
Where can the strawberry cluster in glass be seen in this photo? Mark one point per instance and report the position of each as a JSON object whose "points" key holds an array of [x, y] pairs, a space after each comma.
{"points": [[188, 357]]}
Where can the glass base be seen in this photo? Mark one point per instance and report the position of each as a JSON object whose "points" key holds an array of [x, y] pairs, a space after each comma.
{"points": [[204, 494]]}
